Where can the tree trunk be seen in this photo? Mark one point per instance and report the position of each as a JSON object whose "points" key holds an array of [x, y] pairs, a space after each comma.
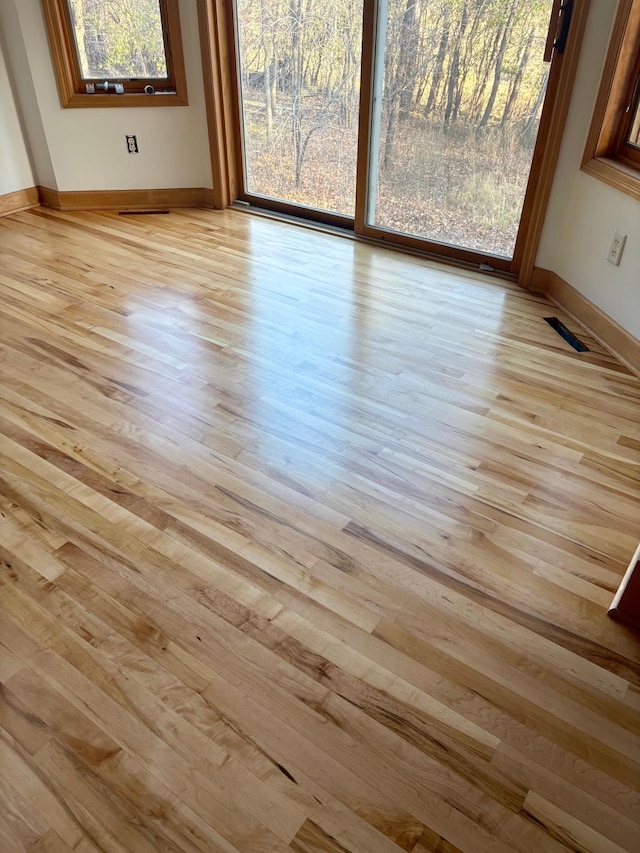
{"points": [[517, 82], [439, 67], [390, 135], [269, 77], [498, 68], [454, 68], [482, 82], [407, 58], [529, 130], [469, 46], [295, 19]]}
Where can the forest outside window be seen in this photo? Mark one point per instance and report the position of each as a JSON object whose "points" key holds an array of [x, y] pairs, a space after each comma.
{"points": [[612, 153], [118, 53]]}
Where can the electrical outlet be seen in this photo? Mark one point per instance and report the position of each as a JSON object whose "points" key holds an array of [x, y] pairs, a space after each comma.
{"points": [[616, 248], [132, 144]]}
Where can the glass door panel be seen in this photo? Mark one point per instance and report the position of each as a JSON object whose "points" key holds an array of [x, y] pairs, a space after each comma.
{"points": [[299, 81], [458, 91]]}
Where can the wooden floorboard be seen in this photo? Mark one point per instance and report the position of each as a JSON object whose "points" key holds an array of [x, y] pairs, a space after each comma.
{"points": [[305, 545]]}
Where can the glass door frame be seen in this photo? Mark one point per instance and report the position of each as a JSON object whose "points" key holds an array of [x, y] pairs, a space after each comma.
{"points": [[219, 55]]}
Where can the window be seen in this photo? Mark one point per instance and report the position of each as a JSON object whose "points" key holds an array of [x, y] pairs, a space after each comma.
{"points": [[629, 142], [612, 153], [118, 53]]}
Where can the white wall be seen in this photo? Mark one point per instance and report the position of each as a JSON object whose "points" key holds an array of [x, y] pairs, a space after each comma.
{"points": [[16, 54], [15, 166], [583, 212], [86, 147]]}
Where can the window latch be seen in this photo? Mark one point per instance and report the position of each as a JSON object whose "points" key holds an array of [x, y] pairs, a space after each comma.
{"points": [[91, 88]]}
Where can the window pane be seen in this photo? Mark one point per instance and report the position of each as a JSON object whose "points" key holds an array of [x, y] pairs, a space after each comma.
{"points": [[119, 39], [459, 89], [634, 133], [300, 84]]}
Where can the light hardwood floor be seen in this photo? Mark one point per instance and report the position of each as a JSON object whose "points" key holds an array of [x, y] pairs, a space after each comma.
{"points": [[305, 546]]}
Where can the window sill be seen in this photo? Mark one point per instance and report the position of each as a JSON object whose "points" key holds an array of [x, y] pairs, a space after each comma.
{"points": [[616, 174], [82, 101]]}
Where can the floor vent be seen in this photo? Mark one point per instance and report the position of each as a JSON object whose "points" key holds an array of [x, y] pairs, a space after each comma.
{"points": [[141, 212], [569, 337]]}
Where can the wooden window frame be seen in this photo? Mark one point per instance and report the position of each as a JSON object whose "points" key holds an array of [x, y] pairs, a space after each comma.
{"points": [[607, 155], [71, 84]]}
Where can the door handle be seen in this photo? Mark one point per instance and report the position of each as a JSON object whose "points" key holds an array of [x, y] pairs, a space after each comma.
{"points": [[558, 28], [553, 29], [560, 43]]}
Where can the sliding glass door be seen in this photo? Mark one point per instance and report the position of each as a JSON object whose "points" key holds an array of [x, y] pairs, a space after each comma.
{"points": [[457, 93], [299, 85], [411, 120]]}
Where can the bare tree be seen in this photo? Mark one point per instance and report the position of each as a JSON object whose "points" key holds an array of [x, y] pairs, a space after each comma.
{"points": [[497, 68], [517, 80], [454, 68], [438, 72]]}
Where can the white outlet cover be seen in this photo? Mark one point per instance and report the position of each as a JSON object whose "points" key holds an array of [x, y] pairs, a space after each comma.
{"points": [[616, 248]]}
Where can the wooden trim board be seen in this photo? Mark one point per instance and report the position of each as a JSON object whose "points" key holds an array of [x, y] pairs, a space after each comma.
{"points": [[125, 199], [216, 48], [49, 198], [625, 607], [208, 198], [616, 174], [19, 200], [610, 333]]}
